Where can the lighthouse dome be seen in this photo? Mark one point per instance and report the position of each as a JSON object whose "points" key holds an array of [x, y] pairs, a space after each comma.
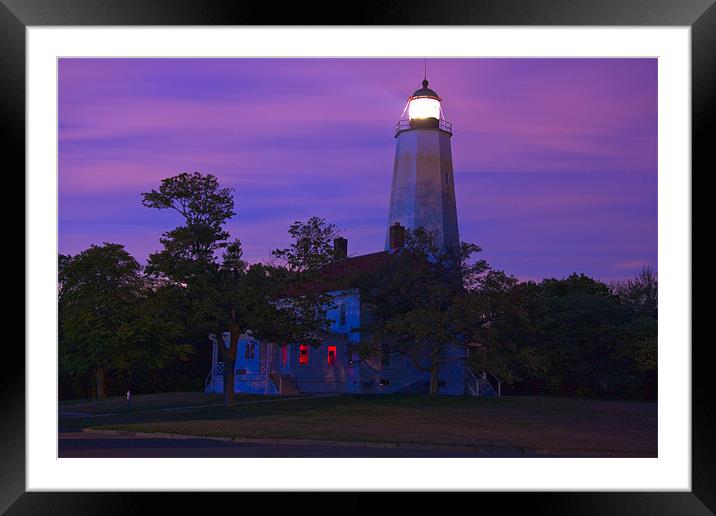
{"points": [[424, 104], [425, 91]]}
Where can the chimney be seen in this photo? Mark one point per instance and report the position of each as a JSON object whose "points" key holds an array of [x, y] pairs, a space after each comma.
{"points": [[340, 248], [397, 236]]}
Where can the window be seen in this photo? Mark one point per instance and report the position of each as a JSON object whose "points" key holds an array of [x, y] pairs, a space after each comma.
{"points": [[331, 355], [303, 354], [284, 355], [250, 350], [342, 315], [384, 381], [385, 354]]}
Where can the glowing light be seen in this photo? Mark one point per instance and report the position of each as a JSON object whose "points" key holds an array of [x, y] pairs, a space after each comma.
{"points": [[423, 107]]}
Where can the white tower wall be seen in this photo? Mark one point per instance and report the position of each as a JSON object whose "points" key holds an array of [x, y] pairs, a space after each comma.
{"points": [[423, 191]]}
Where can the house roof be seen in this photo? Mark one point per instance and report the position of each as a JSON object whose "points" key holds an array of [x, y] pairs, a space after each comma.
{"points": [[337, 275], [358, 264]]}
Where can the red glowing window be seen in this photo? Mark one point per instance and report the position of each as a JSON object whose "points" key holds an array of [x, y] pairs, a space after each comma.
{"points": [[303, 354], [284, 355], [331, 355]]}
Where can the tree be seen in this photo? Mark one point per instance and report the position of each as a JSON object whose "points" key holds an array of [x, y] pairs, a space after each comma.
{"points": [[639, 293], [419, 302], [640, 296], [273, 301], [312, 247], [256, 298], [105, 321], [500, 326], [190, 249], [575, 320], [226, 293], [158, 335], [188, 261]]}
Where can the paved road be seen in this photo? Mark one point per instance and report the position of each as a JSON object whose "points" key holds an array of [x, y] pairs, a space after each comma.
{"points": [[78, 444]]}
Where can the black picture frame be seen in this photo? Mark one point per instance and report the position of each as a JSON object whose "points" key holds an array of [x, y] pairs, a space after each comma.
{"points": [[700, 15]]}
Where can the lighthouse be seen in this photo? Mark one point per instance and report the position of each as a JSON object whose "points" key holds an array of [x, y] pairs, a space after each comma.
{"points": [[423, 190]]}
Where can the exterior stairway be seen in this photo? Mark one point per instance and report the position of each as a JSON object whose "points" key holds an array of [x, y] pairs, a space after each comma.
{"points": [[285, 384], [479, 385], [485, 388]]}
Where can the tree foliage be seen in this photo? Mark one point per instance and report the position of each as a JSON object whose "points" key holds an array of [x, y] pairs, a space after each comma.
{"points": [[189, 250], [108, 318], [639, 293], [568, 336], [312, 246]]}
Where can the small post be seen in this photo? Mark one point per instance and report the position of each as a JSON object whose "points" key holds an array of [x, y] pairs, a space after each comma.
{"points": [[129, 400], [268, 366]]}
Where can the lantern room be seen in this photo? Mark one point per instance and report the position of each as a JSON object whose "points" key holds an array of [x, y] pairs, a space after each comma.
{"points": [[423, 111], [424, 103]]}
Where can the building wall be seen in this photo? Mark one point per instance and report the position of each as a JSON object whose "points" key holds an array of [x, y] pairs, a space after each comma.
{"points": [[399, 372], [250, 372], [403, 376], [351, 304], [318, 375], [452, 371]]}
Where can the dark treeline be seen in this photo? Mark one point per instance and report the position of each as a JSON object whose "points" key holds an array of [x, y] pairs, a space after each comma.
{"points": [[571, 336], [146, 328]]}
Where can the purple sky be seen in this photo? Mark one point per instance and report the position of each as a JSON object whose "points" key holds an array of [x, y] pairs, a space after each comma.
{"points": [[555, 159]]}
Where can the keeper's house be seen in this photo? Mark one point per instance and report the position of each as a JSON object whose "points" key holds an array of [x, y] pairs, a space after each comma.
{"points": [[334, 365]]}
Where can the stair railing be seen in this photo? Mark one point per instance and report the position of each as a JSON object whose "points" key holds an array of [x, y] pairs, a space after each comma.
{"points": [[497, 379], [277, 383], [209, 381], [470, 380]]}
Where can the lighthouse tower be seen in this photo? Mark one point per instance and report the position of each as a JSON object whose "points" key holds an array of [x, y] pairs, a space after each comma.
{"points": [[423, 191]]}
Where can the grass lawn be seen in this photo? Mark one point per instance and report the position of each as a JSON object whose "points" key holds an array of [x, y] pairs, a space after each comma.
{"points": [[560, 424], [146, 402]]}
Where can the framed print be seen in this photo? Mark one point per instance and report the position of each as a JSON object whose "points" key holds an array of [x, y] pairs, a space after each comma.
{"points": [[560, 136]]}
